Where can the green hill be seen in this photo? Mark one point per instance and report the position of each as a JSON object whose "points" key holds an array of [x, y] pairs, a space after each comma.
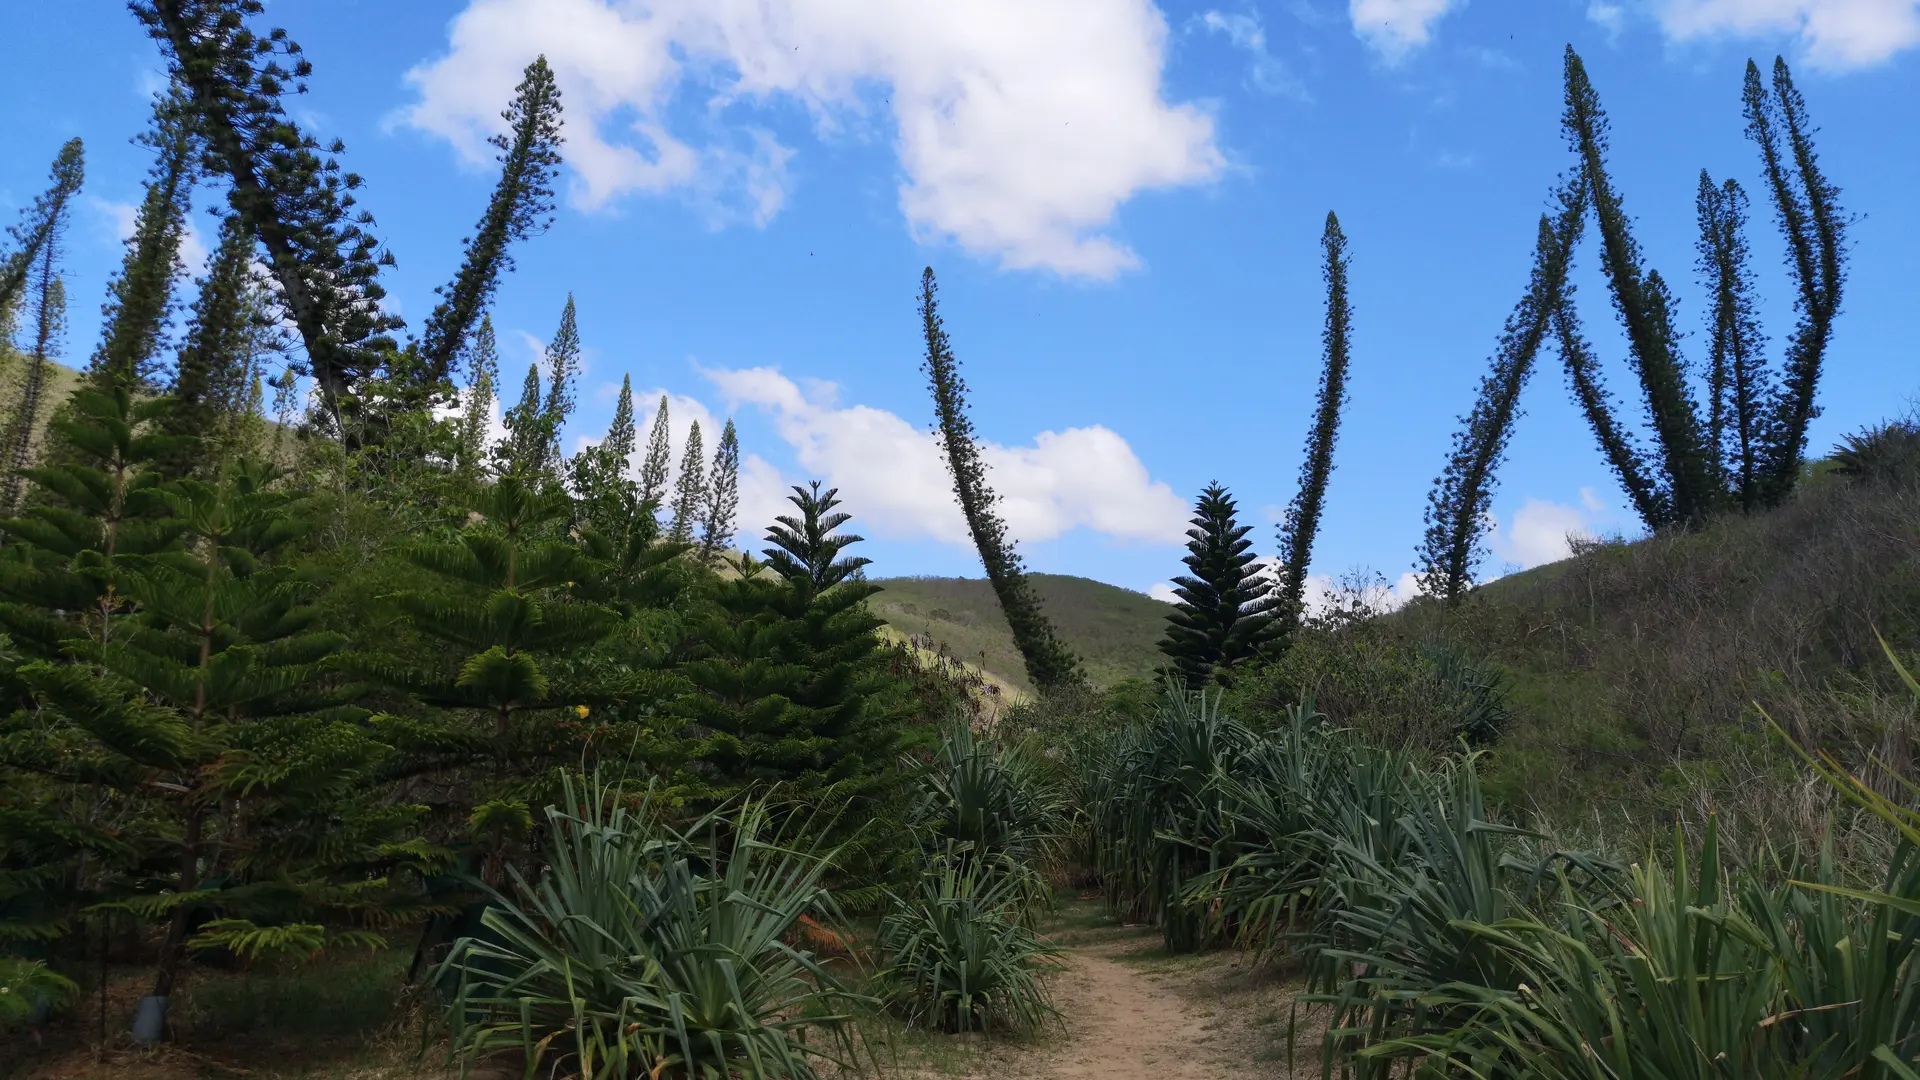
{"points": [[1113, 630]]}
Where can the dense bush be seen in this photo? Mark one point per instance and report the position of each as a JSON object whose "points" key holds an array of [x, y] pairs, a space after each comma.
{"points": [[645, 948], [958, 953]]}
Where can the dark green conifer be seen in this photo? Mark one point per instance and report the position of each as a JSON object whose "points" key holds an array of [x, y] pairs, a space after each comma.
{"points": [[289, 191], [140, 300], [689, 489], [721, 501], [42, 223], [1302, 522], [1457, 507], [1229, 612], [1050, 664], [563, 366], [608, 499], [217, 359], [524, 451], [659, 460], [49, 331], [1737, 378], [483, 372], [522, 205]]}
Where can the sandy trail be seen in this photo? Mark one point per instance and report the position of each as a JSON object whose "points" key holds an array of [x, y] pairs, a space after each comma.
{"points": [[1132, 1013]]}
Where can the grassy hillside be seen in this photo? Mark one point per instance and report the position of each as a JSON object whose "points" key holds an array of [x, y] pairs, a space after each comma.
{"points": [[1113, 630], [1642, 669]]}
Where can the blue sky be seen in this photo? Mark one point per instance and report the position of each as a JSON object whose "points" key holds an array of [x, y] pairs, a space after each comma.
{"points": [[1122, 199]]}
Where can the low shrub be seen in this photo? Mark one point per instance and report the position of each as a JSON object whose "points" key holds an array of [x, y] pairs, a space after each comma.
{"points": [[650, 950], [958, 953]]}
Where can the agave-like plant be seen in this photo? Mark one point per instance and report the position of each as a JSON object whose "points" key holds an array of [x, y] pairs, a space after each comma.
{"points": [[990, 798], [959, 955], [649, 950]]}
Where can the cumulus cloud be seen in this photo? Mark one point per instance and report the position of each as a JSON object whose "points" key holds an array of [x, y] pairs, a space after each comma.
{"points": [[1265, 72], [1021, 126], [1833, 34], [891, 476], [1542, 531], [1394, 28]]}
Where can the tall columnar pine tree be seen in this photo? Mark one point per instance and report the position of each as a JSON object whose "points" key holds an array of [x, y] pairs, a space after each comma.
{"points": [[1302, 522], [140, 300], [476, 412], [216, 361], [1747, 449], [1229, 612], [522, 205], [288, 190], [31, 273], [41, 224], [523, 452], [563, 366], [689, 489], [720, 503], [658, 464], [608, 499], [1050, 664]]}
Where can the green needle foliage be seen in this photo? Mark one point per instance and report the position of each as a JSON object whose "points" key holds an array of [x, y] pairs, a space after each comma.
{"points": [[476, 407], [1462, 495], [140, 300], [1227, 615], [1050, 664], [609, 502], [41, 224], [522, 205], [216, 362], [659, 459], [1302, 523], [721, 504], [288, 190], [1747, 448], [689, 489], [563, 366], [49, 330]]}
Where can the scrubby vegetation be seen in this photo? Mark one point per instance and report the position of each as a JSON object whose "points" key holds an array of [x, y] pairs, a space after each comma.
{"points": [[605, 799]]}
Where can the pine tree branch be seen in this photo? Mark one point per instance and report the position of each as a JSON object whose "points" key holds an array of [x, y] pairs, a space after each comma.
{"points": [[1302, 522]]}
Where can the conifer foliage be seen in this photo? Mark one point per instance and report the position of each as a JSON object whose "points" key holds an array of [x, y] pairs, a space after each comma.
{"points": [[1229, 612], [1302, 522], [689, 489], [721, 502], [42, 224], [1746, 447], [522, 205], [1050, 664], [141, 298]]}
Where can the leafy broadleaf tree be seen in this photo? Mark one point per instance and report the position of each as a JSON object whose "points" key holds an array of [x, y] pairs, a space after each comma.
{"points": [[522, 204], [140, 300], [720, 504], [1050, 664], [1229, 612], [1302, 522], [689, 489]]}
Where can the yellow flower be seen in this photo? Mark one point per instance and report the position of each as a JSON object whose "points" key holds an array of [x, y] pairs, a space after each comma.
{"points": [[580, 711]]}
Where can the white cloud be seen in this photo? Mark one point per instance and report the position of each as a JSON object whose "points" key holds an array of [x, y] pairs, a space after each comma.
{"points": [[1163, 592], [1540, 530], [1833, 34], [1394, 28], [1021, 125], [1265, 72], [1608, 16], [892, 479]]}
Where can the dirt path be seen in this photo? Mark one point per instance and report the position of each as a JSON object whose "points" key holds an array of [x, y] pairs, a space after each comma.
{"points": [[1131, 1012]]}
